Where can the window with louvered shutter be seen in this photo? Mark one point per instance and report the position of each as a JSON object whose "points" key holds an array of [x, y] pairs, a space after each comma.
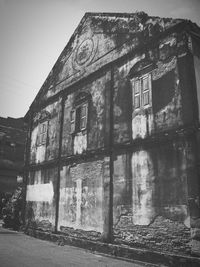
{"points": [[142, 92], [42, 133]]}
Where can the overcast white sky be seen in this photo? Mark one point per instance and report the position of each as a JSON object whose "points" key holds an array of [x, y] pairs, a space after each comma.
{"points": [[33, 33]]}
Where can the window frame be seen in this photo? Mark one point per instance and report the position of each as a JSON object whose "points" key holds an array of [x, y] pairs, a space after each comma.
{"points": [[142, 91], [84, 117], [72, 121], [77, 119], [42, 133]]}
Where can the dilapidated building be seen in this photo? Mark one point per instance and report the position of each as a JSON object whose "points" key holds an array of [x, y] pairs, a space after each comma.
{"points": [[114, 144]]}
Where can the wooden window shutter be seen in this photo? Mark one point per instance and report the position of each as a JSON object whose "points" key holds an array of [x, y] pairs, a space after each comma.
{"points": [[72, 120], [146, 90], [42, 133], [137, 93], [83, 116]]}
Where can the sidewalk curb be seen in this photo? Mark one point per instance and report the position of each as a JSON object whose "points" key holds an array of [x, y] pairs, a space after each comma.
{"points": [[121, 251]]}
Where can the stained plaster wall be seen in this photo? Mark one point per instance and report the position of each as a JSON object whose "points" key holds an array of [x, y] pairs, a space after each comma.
{"points": [[41, 199], [194, 189], [150, 196], [170, 98], [97, 133], [197, 73], [49, 150], [196, 57], [150, 183], [99, 40], [84, 198]]}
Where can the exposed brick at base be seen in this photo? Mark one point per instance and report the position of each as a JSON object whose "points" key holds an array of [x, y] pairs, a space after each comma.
{"points": [[122, 251], [90, 235], [161, 235]]}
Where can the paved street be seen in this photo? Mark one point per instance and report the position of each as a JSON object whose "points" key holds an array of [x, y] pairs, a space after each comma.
{"points": [[20, 250]]}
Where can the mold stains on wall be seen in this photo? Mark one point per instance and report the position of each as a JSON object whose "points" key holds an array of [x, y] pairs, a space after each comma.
{"points": [[99, 40], [122, 197], [150, 186], [167, 47], [67, 148], [97, 131], [143, 188], [98, 112], [172, 169], [82, 197], [197, 74], [142, 125], [80, 143], [134, 189], [168, 108], [194, 190], [188, 93], [131, 157], [163, 91], [37, 153], [123, 100], [45, 141], [41, 195], [165, 110]]}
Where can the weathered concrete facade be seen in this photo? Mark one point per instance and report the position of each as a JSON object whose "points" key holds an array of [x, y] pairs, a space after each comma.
{"points": [[114, 135]]}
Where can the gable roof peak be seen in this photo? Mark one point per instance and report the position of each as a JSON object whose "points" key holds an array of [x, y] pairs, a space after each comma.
{"points": [[115, 14]]}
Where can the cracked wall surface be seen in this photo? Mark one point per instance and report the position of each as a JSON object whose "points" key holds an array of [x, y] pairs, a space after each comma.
{"points": [[48, 150]]}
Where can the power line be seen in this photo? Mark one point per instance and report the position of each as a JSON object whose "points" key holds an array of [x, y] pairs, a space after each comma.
{"points": [[20, 87], [19, 81], [9, 91]]}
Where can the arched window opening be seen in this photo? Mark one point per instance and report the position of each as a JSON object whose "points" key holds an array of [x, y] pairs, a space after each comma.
{"points": [[79, 114], [141, 80], [43, 128]]}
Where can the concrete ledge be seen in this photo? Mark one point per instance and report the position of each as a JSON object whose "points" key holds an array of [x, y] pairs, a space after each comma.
{"points": [[121, 251]]}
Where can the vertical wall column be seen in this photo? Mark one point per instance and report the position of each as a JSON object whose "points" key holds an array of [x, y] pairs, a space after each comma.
{"points": [[194, 194], [190, 79], [59, 162], [111, 149]]}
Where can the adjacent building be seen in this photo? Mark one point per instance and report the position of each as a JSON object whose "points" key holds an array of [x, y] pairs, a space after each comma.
{"points": [[12, 146], [114, 144]]}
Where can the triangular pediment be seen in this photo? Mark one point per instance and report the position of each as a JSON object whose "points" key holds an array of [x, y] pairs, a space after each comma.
{"points": [[99, 39]]}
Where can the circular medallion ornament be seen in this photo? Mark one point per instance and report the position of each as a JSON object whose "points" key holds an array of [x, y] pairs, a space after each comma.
{"points": [[84, 52]]}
